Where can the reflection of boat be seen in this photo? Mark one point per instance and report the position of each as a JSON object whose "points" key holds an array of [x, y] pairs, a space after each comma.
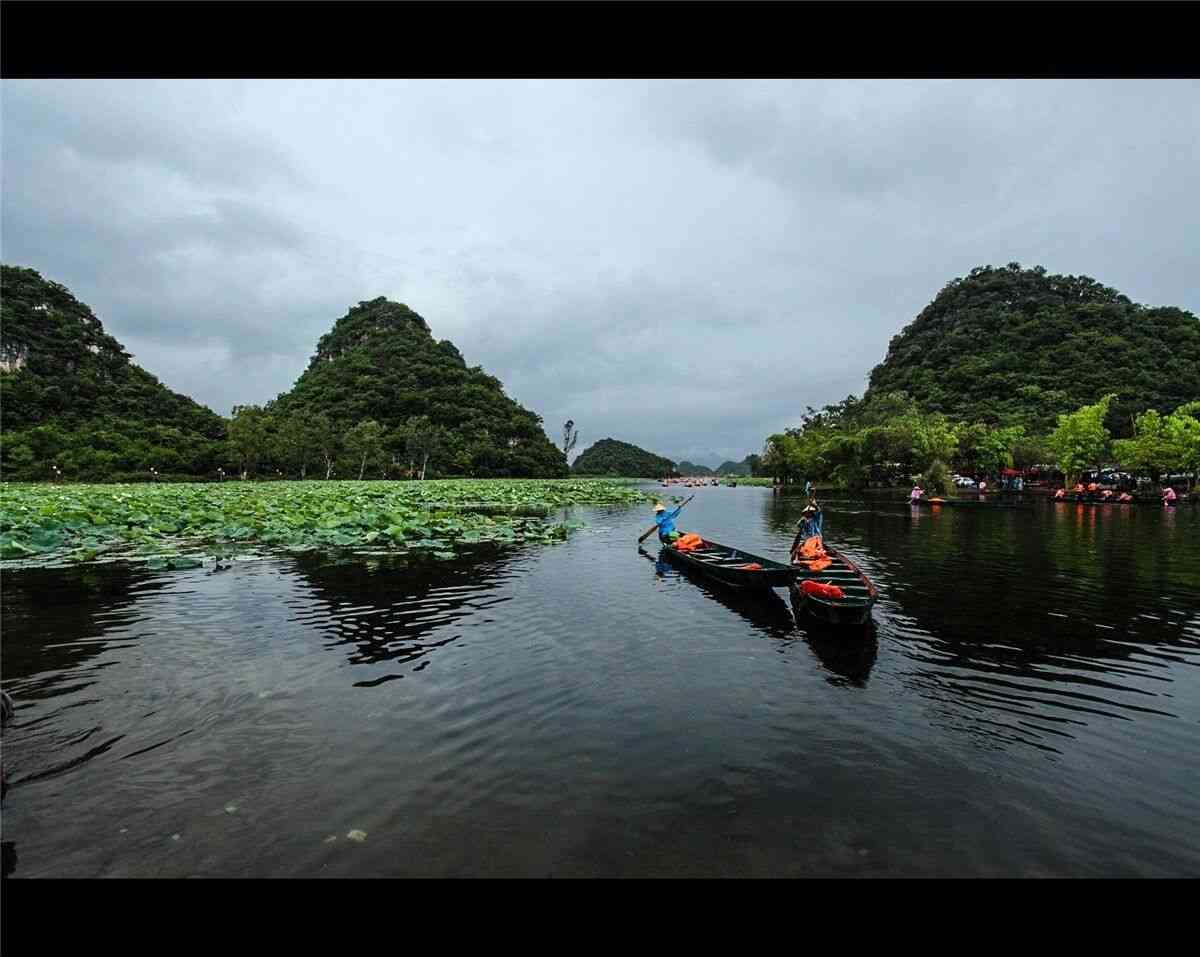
{"points": [[969, 503], [853, 608], [764, 609], [852, 660], [732, 566]]}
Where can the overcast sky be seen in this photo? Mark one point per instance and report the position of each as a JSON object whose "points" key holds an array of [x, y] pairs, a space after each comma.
{"points": [[681, 265]]}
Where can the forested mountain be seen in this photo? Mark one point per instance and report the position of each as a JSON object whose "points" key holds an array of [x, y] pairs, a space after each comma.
{"points": [[610, 457], [71, 397], [1015, 346], [736, 468], [691, 468], [381, 364]]}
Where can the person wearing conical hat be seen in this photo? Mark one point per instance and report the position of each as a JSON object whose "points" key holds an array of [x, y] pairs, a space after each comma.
{"points": [[812, 520], [664, 518]]}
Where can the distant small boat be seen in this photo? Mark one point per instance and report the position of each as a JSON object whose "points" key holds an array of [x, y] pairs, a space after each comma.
{"points": [[968, 503], [1072, 500]]}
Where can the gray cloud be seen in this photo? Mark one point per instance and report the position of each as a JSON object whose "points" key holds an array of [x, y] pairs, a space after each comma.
{"points": [[683, 265]]}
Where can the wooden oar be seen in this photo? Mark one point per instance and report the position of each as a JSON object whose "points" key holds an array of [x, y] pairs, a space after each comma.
{"points": [[653, 528]]}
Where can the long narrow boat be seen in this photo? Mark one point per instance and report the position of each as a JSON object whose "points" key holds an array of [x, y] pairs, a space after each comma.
{"points": [[729, 566], [969, 503], [852, 609], [1071, 500]]}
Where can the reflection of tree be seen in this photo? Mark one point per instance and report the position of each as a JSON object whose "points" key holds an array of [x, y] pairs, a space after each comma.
{"points": [[53, 618], [1028, 624], [846, 654], [398, 610]]}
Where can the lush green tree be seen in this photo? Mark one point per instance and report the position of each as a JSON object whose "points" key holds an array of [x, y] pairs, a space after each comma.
{"points": [[1162, 444], [381, 362], [1183, 429], [364, 443], [69, 391], [298, 441], [937, 480], [1013, 346], [1029, 451], [251, 436], [1081, 440], [1151, 450], [988, 450], [422, 440]]}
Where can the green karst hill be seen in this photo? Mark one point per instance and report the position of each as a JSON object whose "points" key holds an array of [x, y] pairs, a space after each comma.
{"points": [[1019, 346], [69, 394], [691, 468], [610, 457], [744, 467], [381, 363]]}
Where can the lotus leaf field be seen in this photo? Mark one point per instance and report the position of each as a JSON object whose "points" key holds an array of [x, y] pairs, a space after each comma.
{"points": [[179, 525]]}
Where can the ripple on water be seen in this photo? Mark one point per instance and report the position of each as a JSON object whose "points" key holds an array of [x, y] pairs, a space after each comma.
{"points": [[583, 708]]}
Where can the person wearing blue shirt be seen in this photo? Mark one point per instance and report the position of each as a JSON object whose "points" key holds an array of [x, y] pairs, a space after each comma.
{"points": [[665, 520], [812, 520]]}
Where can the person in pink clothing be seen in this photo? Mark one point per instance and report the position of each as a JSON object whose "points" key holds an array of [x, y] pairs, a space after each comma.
{"points": [[1169, 496]]}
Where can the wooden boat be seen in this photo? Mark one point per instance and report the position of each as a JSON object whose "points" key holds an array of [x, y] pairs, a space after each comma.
{"points": [[1071, 500], [726, 565], [853, 609], [969, 503]]}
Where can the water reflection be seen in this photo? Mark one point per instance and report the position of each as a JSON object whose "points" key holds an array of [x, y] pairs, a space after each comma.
{"points": [[847, 654], [396, 611], [1023, 626], [573, 710]]}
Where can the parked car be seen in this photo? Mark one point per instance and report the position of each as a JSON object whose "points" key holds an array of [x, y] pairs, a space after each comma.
{"points": [[963, 482]]}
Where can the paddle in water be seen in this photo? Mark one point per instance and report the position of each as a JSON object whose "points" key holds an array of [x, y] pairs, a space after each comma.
{"points": [[653, 528]]}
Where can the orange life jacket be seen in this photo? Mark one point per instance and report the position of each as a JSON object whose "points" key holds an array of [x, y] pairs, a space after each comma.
{"points": [[821, 589], [688, 542], [812, 548], [752, 567]]}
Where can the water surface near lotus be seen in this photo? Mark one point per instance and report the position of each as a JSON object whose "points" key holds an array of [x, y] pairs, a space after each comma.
{"points": [[1028, 703]]}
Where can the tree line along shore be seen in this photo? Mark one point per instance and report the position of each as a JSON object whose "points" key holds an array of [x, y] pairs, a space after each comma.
{"points": [[1007, 368]]}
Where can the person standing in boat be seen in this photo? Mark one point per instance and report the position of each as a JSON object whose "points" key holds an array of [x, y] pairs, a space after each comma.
{"points": [[1168, 495], [812, 520], [664, 518], [915, 495]]}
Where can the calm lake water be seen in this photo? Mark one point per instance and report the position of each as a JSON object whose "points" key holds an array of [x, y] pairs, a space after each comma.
{"points": [[1027, 703]]}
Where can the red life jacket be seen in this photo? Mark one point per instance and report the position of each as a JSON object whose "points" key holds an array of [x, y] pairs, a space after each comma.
{"points": [[821, 589]]}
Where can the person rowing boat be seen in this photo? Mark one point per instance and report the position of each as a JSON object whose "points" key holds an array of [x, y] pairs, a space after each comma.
{"points": [[812, 519]]}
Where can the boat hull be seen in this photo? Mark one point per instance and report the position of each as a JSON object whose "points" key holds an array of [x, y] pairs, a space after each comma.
{"points": [[968, 503], [854, 609], [720, 563]]}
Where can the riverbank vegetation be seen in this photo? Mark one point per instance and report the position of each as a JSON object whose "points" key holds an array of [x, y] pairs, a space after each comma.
{"points": [[380, 398], [179, 523], [1012, 368], [888, 439]]}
